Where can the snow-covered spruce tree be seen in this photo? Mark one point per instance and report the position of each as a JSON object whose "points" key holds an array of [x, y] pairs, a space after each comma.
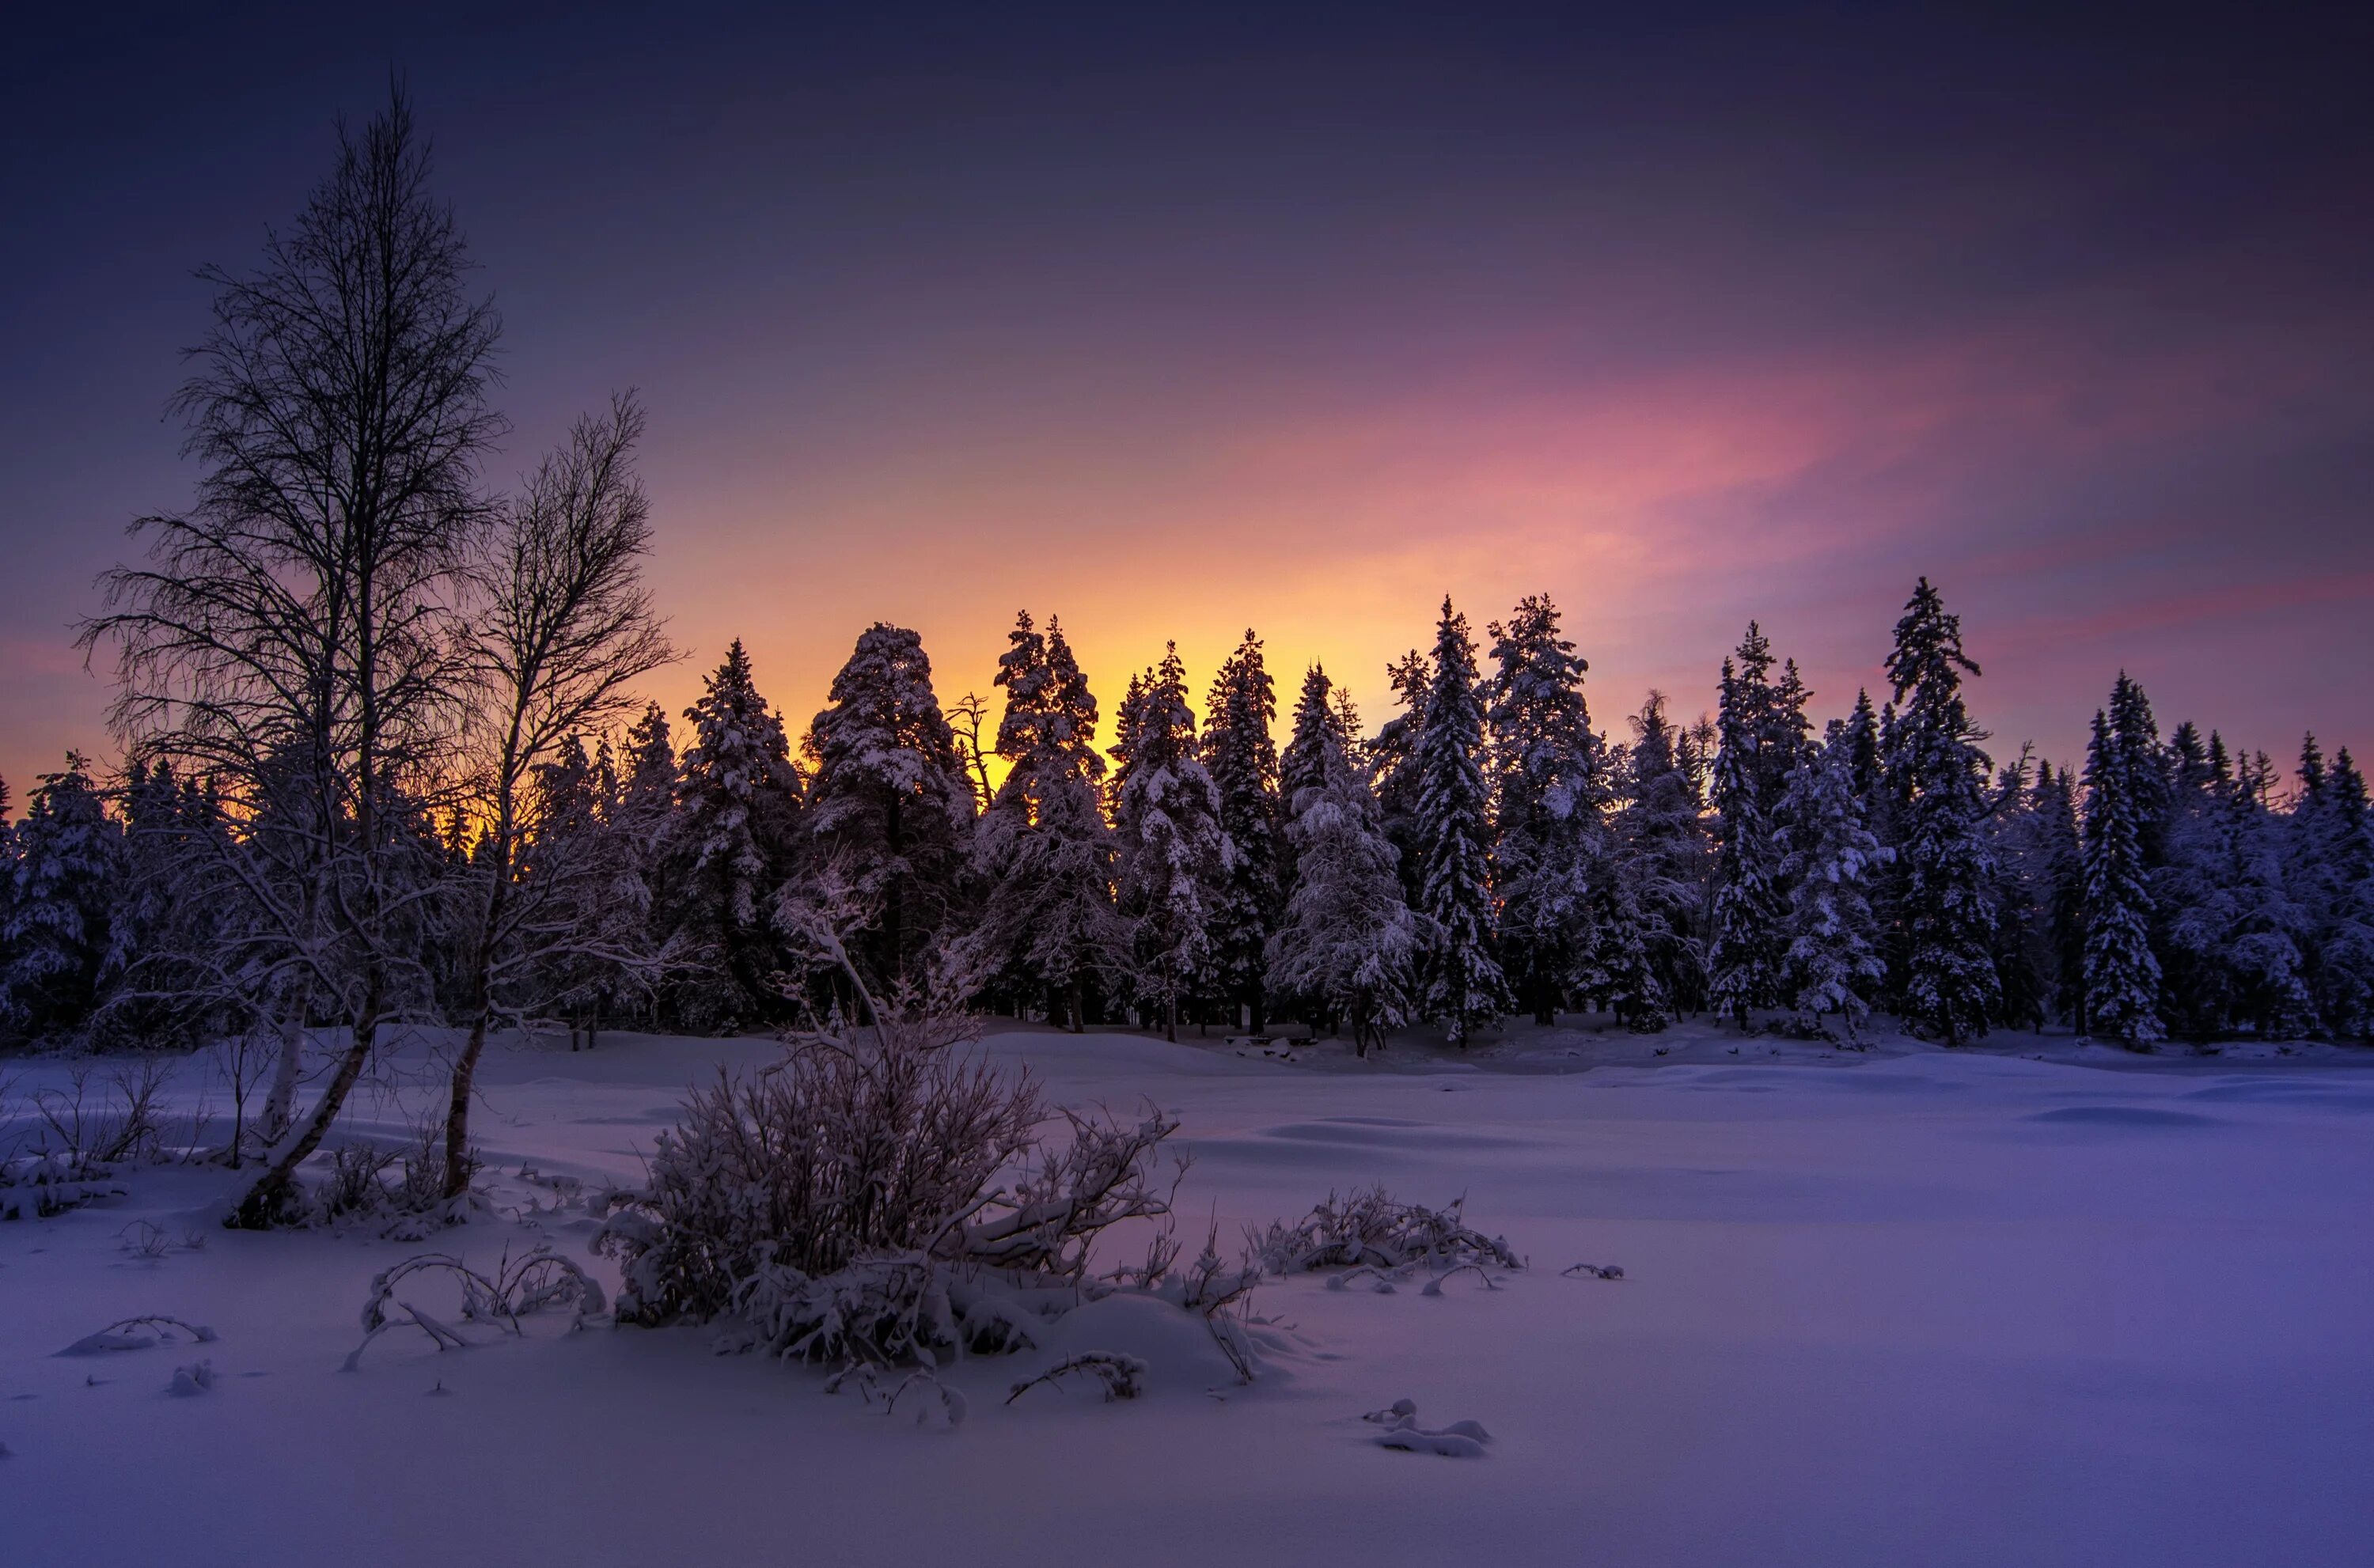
{"points": [[2337, 838], [1301, 763], [889, 807], [1616, 970], [1125, 747], [69, 882], [1747, 952], [1319, 723], [1392, 758], [1787, 736], [1462, 985], [640, 907], [1665, 859], [1349, 944], [1243, 762], [1865, 754], [1948, 987], [295, 631], [649, 777], [2021, 895], [734, 842], [1173, 853], [2148, 770], [1872, 743], [562, 864], [1548, 798], [1613, 967], [8, 901], [160, 991], [2193, 903], [624, 921], [2122, 975], [1832, 959], [2270, 927], [2286, 858], [2059, 865], [1044, 849]]}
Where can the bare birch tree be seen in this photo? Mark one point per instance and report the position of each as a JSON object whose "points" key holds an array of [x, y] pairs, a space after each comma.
{"points": [[292, 635], [562, 627]]}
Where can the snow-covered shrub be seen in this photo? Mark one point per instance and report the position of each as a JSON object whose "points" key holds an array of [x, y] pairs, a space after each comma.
{"points": [[839, 1152], [62, 1142], [1208, 1287], [882, 1195], [1204, 1286], [1371, 1229], [86, 1130], [369, 1180]]}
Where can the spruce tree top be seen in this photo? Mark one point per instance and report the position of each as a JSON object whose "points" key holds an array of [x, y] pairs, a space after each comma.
{"points": [[1317, 723], [885, 730], [1928, 655]]}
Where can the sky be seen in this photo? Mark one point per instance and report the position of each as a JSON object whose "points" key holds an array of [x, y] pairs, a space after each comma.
{"points": [[1174, 322]]}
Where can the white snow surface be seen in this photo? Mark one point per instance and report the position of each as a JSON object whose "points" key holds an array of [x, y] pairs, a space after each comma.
{"points": [[1908, 1307]]}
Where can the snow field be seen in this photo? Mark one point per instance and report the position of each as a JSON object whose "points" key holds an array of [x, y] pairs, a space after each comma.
{"points": [[1936, 1308]]}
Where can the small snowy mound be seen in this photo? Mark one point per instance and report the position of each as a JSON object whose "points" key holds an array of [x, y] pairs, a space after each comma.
{"points": [[2143, 1117], [1177, 1346], [1460, 1440]]}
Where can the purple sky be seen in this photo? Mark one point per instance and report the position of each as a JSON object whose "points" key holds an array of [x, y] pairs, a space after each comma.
{"points": [[1171, 326]]}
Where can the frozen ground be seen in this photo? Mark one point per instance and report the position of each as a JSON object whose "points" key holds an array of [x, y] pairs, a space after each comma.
{"points": [[1908, 1307]]}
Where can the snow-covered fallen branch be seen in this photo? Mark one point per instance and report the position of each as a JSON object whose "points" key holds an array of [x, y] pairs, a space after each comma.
{"points": [[1434, 1286], [1122, 1377], [930, 1396], [1383, 1282], [540, 1280], [139, 1334], [143, 1239], [1593, 1272]]}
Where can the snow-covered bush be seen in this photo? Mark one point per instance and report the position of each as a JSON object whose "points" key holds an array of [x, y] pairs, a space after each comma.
{"points": [[836, 1154], [1371, 1229], [368, 1180], [883, 1194], [59, 1142], [91, 1129]]}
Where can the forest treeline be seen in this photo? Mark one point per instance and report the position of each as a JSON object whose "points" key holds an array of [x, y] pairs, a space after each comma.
{"points": [[384, 763], [1485, 853]]}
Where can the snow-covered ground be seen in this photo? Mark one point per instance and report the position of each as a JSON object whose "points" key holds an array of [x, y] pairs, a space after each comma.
{"points": [[1904, 1308]]}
